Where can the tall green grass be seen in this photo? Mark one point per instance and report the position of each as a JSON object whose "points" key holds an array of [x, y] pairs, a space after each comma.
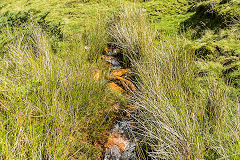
{"points": [[51, 107], [181, 113]]}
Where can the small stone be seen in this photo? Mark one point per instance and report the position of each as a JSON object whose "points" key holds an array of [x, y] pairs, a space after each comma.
{"points": [[112, 153], [114, 61], [116, 67], [130, 153]]}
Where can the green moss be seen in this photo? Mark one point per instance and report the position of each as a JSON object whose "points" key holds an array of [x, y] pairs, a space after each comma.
{"points": [[166, 15], [13, 19], [76, 16], [212, 15], [208, 69], [206, 51], [232, 73], [226, 61]]}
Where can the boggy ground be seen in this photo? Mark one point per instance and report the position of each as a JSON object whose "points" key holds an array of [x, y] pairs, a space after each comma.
{"points": [[51, 105]]}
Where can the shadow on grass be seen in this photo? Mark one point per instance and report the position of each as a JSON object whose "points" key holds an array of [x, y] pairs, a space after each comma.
{"points": [[206, 17]]}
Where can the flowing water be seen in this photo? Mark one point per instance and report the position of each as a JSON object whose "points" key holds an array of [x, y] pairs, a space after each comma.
{"points": [[121, 142]]}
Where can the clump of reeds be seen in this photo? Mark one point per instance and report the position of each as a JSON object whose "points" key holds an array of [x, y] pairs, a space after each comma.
{"points": [[51, 106], [181, 115]]}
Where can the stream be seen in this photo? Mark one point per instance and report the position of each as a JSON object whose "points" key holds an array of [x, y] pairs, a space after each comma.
{"points": [[121, 142]]}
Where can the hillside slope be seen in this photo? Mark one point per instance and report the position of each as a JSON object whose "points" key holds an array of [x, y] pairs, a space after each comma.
{"points": [[185, 59]]}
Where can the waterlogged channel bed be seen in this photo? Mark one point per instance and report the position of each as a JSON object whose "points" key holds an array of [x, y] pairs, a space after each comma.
{"points": [[121, 142]]}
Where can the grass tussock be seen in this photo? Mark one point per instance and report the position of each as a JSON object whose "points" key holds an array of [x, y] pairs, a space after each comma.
{"points": [[51, 106], [182, 115], [96, 38], [131, 33]]}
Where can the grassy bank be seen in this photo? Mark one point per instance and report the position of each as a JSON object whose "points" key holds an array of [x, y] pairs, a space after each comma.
{"points": [[51, 106], [182, 114]]}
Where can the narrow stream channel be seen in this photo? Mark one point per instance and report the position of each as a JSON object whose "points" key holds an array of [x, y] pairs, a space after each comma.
{"points": [[121, 142]]}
